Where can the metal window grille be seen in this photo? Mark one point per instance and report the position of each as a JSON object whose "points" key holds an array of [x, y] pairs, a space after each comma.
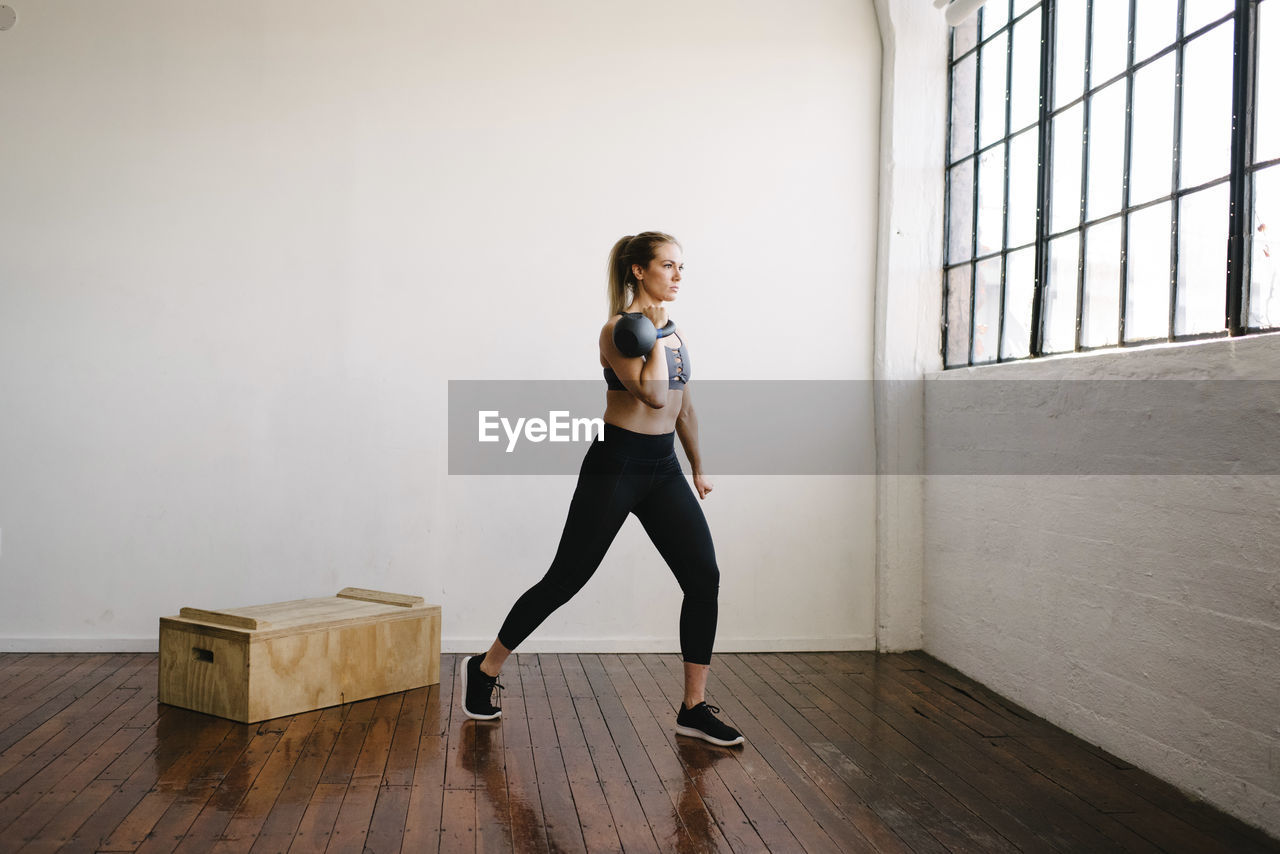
{"points": [[1096, 147]]}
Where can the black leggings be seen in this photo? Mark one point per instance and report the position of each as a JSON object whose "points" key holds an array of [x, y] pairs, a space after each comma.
{"points": [[630, 473]]}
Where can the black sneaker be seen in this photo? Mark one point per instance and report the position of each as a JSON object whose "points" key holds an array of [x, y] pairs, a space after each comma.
{"points": [[477, 690], [701, 722]]}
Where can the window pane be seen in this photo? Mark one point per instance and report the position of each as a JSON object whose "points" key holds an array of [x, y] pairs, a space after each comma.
{"points": [[1206, 107], [1106, 150], [1100, 323], [1146, 309], [1151, 166], [1202, 262], [986, 311], [1020, 6], [1023, 156], [1110, 40], [1264, 286], [1060, 294], [1025, 97], [1019, 285], [964, 93], [995, 59], [1065, 172], [1156, 23], [1267, 112], [991, 201], [1201, 12], [960, 221], [1069, 57], [958, 316], [964, 38], [995, 14]]}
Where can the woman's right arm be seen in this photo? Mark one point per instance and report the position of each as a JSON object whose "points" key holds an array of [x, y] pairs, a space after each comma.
{"points": [[645, 378]]}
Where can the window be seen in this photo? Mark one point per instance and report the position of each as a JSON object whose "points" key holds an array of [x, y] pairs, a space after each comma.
{"points": [[1113, 175]]}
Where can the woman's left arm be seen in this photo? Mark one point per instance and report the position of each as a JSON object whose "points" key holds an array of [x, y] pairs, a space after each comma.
{"points": [[687, 430]]}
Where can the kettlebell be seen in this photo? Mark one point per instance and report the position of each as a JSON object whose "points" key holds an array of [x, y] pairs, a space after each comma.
{"points": [[634, 334]]}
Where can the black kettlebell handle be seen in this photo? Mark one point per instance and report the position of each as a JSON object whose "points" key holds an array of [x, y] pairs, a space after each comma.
{"points": [[663, 332]]}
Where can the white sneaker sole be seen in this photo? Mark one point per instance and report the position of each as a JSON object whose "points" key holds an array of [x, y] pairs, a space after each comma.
{"points": [[697, 733], [463, 702]]}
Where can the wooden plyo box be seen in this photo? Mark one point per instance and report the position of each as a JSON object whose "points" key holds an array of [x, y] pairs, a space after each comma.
{"points": [[267, 661]]}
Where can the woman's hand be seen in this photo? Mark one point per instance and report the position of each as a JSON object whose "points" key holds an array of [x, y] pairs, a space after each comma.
{"points": [[657, 315], [702, 485]]}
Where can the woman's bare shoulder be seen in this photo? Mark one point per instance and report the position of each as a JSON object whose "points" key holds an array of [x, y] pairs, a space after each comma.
{"points": [[606, 331]]}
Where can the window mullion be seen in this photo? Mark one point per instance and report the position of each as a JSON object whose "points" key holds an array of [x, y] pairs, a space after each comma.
{"points": [[1242, 140], [977, 136], [1008, 144], [1048, 19], [1128, 166], [1086, 147], [949, 189], [1175, 201]]}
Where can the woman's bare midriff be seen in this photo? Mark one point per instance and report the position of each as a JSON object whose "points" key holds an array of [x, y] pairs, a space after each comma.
{"points": [[623, 409]]}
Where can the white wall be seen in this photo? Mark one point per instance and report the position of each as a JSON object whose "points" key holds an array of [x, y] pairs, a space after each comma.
{"points": [[1140, 612], [908, 300], [247, 245]]}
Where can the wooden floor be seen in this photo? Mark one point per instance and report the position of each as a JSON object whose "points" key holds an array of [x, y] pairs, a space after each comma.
{"points": [[845, 752]]}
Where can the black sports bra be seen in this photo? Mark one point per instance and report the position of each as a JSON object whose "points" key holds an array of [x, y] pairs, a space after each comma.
{"points": [[677, 370]]}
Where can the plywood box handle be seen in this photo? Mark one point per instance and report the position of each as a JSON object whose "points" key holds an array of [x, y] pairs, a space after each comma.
{"points": [[218, 618], [380, 597], [199, 654]]}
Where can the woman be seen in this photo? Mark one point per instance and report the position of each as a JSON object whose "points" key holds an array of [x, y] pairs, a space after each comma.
{"points": [[634, 470]]}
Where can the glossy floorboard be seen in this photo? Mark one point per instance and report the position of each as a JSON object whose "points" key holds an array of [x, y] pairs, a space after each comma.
{"points": [[845, 752]]}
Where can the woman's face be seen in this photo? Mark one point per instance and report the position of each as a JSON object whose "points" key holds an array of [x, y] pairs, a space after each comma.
{"points": [[661, 279]]}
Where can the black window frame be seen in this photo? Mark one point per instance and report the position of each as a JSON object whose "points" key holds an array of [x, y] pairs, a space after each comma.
{"points": [[1239, 180]]}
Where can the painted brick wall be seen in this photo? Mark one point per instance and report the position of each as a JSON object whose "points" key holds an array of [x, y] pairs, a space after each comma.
{"points": [[1140, 611]]}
